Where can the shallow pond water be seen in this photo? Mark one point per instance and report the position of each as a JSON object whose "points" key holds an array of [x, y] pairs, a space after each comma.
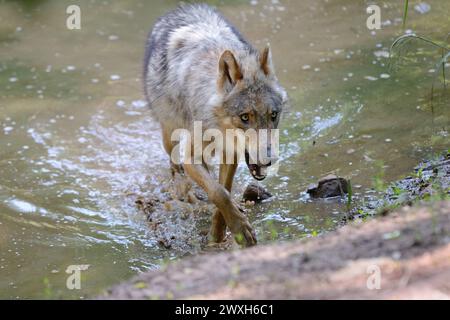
{"points": [[77, 145]]}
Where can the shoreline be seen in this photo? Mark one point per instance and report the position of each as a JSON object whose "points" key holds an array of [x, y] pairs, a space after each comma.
{"points": [[409, 245]]}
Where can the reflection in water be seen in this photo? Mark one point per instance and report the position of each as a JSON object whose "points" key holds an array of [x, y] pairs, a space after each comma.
{"points": [[78, 147]]}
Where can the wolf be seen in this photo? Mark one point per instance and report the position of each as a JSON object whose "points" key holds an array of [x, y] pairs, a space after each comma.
{"points": [[198, 67]]}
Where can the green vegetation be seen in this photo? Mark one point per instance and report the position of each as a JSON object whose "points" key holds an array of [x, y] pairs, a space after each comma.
{"points": [[48, 291], [401, 42], [405, 13], [349, 195], [428, 183], [378, 179]]}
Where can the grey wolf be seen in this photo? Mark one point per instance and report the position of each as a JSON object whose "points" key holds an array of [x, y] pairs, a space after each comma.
{"points": [[198, 67]]}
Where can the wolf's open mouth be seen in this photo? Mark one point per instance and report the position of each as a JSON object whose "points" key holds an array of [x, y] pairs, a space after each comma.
{"points": [[258, 172]]}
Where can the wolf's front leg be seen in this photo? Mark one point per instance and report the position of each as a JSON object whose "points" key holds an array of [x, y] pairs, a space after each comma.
{"points": [[218, 224], [219, 195], [218, 227]]}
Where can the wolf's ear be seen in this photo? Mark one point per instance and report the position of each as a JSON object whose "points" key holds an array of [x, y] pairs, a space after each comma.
{"points": [[229, 71], [266, 61]]}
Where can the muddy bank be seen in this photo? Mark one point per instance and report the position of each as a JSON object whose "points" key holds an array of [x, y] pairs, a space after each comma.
{"points": [[408, 242], [411, 248], [430, 180]]}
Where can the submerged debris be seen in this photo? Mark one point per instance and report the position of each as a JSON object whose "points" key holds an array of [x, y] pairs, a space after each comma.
{"points": [[329, 187], [147, 206], [256, 193], [176, 213]]}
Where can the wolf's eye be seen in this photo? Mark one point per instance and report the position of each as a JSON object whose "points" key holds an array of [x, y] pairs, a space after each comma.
{"points": [[274, 115], [245, 117]]}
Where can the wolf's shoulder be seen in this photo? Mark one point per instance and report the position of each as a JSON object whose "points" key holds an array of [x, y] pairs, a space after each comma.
{"points": [[186, 14], [204, 22]]}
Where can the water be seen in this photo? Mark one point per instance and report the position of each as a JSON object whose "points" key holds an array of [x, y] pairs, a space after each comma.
{"points": [[78, 147]]}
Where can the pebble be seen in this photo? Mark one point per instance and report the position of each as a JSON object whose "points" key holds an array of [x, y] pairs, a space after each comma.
{"points": [[381, 54], [422, 8], [8, 129], [139, 104], [370, 78]]}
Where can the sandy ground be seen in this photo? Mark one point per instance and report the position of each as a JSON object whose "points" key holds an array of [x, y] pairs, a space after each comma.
{"points": [[409, 249]]}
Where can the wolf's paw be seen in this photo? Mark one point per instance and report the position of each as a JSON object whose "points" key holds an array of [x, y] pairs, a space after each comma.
{"points": [[243, 232]]}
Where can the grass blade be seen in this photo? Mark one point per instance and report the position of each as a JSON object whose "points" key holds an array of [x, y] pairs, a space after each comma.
{"points": [[405, 13], [349, 195]]}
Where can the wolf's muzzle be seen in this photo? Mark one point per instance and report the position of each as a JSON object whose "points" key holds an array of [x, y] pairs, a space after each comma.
{"points": [[259, 170]]}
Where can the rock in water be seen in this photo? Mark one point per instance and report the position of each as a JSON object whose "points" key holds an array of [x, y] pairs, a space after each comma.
{"points": [[256, 193], [328, 187]]}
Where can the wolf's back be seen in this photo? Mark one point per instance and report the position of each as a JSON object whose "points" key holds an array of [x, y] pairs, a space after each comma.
{"points": [[182, 56], [209, 22]]}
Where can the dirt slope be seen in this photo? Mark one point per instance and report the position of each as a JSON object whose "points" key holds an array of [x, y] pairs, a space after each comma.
{"points": [[411, 248]]}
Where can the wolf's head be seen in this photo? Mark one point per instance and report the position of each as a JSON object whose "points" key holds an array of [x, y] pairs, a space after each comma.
{"points": [[252, 101]]}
